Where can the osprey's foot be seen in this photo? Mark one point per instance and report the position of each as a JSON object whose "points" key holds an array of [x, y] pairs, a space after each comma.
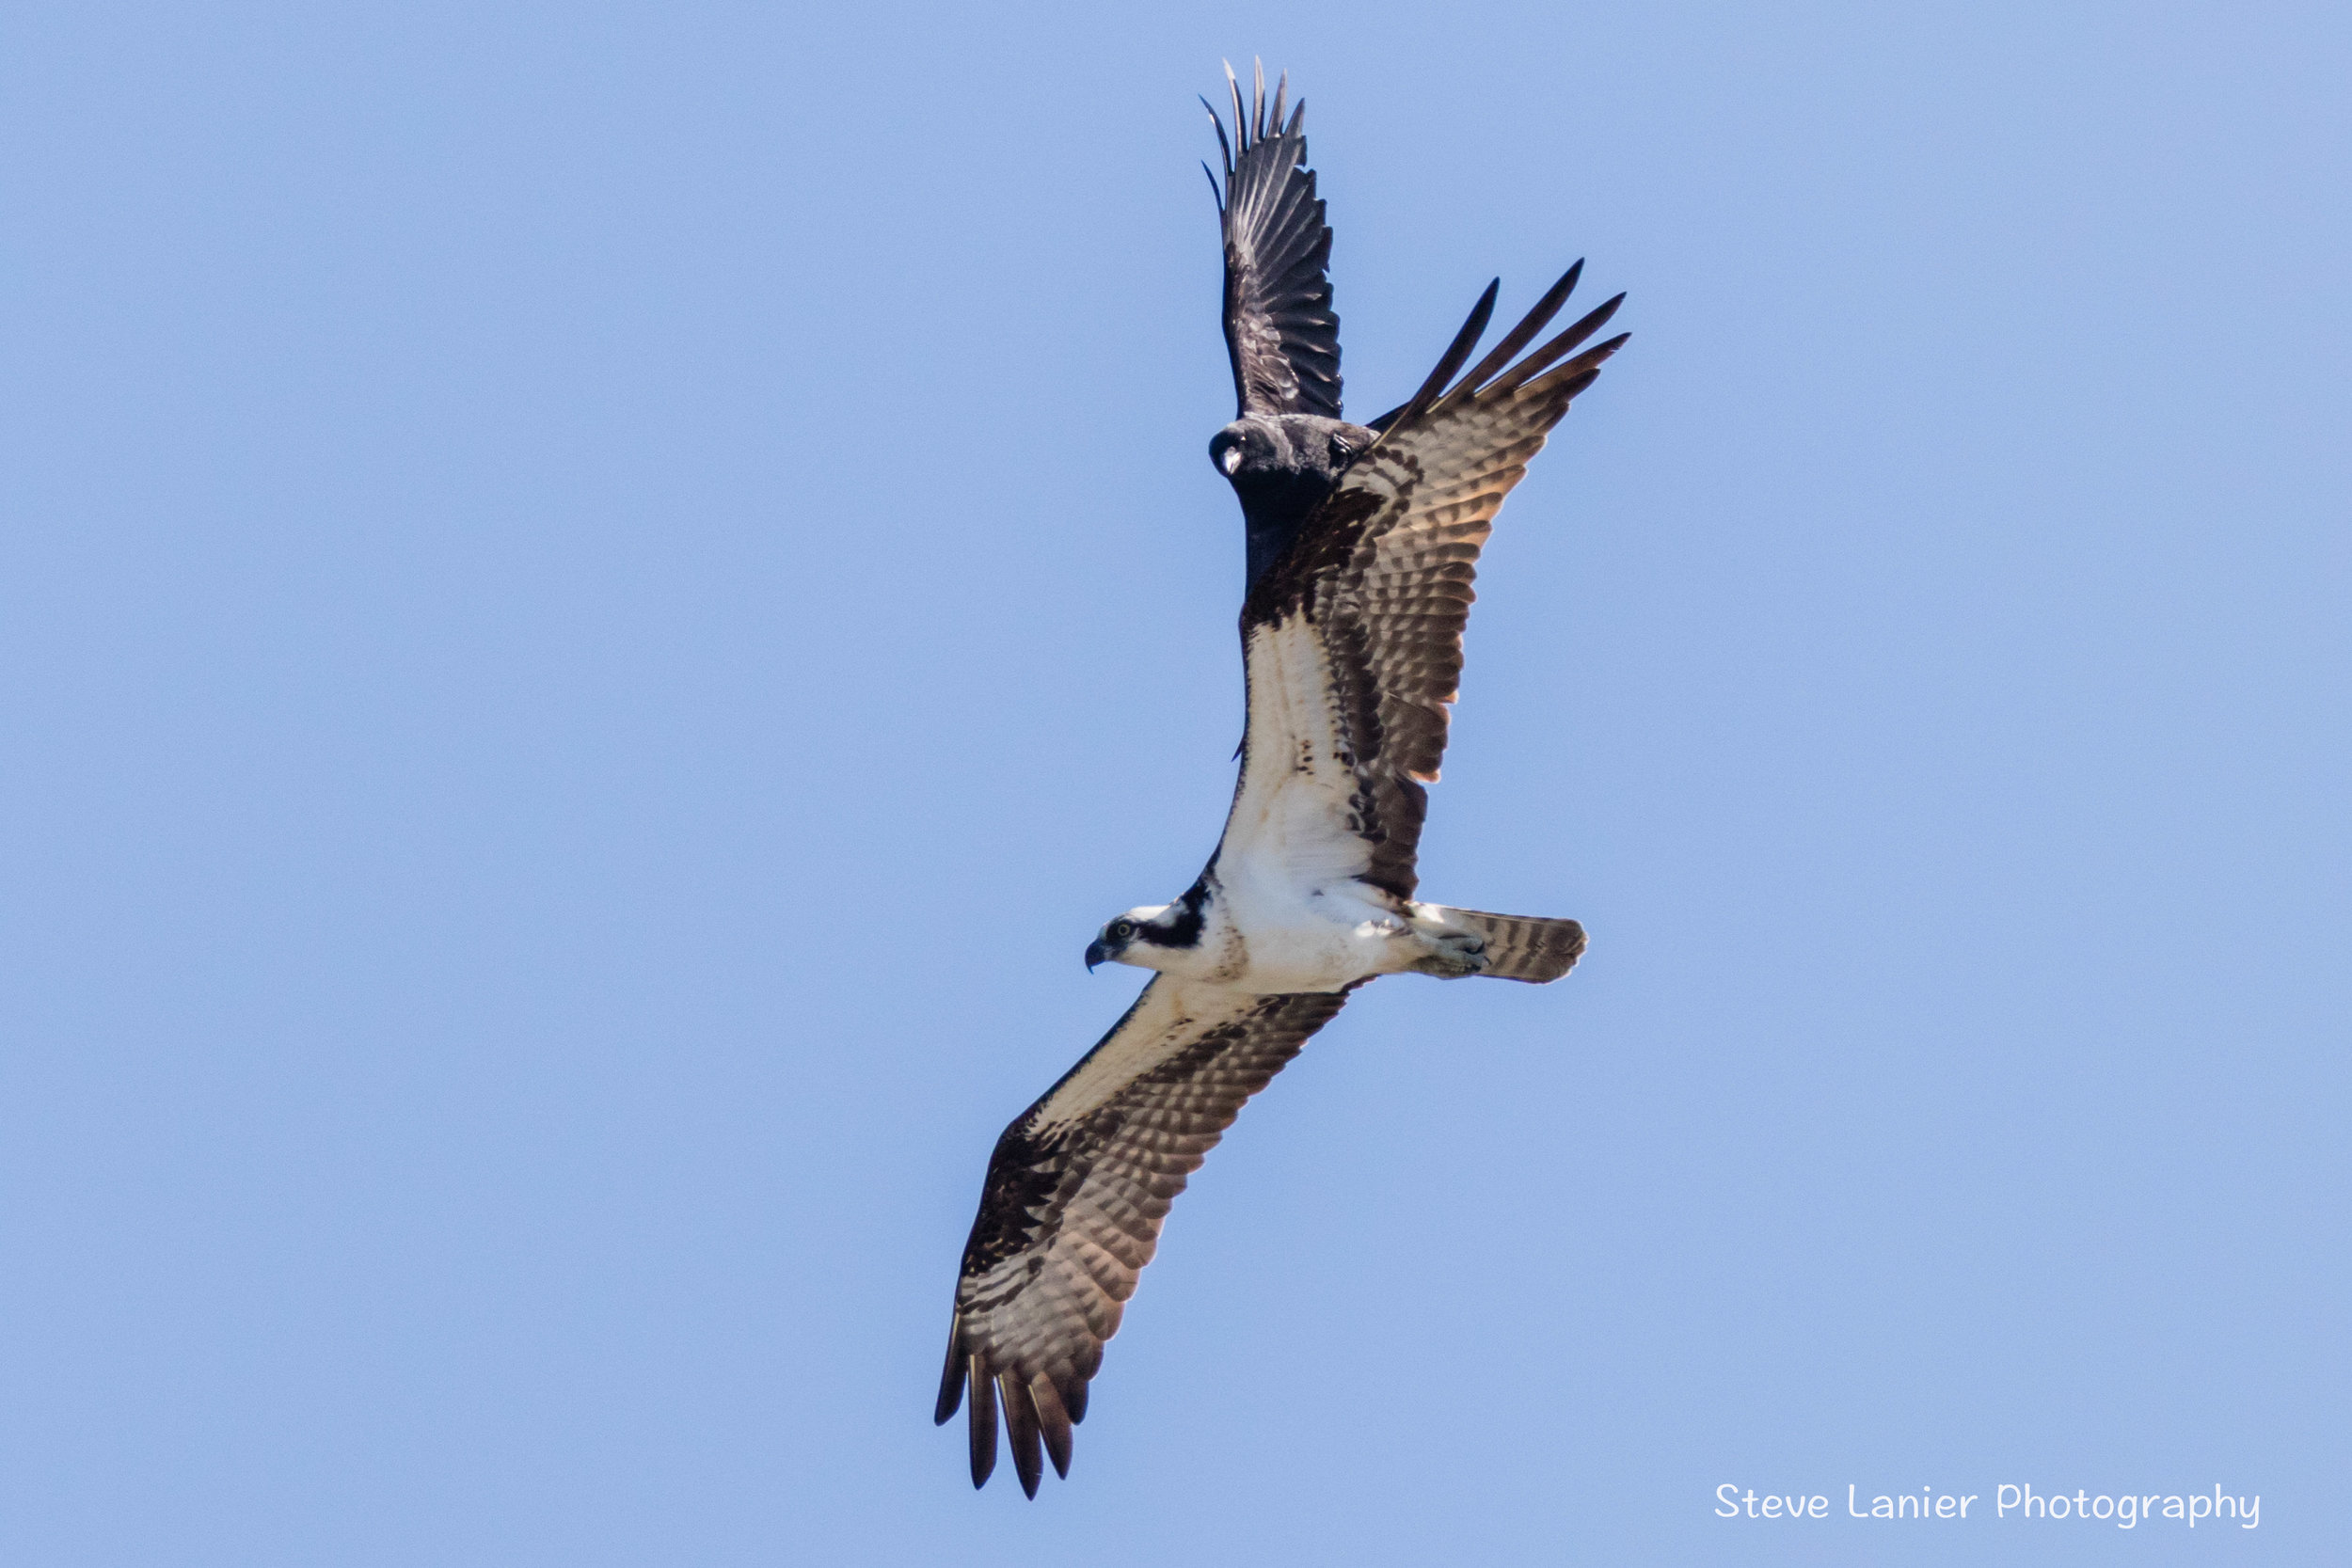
{"points": [[1452, 954]]}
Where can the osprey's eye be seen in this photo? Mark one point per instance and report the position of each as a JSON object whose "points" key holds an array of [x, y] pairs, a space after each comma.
{"points": [[1122, 929]]}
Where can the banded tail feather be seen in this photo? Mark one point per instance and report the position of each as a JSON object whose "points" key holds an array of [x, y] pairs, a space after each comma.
{"points": [[1523, 947], [1362, 554]]}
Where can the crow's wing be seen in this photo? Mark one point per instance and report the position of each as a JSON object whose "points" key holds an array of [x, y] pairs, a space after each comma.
{"points": [[1279, 322]]}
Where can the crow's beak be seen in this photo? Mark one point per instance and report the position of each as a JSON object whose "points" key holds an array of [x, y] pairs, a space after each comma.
{"points": [[1096, 953]]}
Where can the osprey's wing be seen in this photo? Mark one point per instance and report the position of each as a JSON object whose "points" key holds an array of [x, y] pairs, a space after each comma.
{"points": [[1075, 1193], [1279, 322], [1352, 638]]}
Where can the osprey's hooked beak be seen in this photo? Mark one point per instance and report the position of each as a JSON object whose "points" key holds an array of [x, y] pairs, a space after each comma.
{"points": [[1096, 953]]}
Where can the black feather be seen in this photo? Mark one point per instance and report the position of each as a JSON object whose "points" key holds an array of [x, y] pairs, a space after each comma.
{"points": [[1223, 146], [1021, 1427], [1279, 328], [1456, 352], [1523, 334], [983, 1424], [1536, 363], [1054, 1423], [951, 1380], [1578, 373]]}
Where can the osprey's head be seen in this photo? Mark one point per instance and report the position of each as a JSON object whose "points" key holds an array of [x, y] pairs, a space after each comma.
{"points": [[1149, 937], [1129, 939]]}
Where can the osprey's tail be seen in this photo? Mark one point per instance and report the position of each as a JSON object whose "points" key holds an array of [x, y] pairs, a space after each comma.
{"points": [[1523, 947]]}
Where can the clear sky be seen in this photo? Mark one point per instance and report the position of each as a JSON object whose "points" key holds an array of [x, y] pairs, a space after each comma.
{"points": [[598, 600]]}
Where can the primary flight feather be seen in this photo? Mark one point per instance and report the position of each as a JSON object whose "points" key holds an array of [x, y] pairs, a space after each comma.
{"points": [[1362, 545]]}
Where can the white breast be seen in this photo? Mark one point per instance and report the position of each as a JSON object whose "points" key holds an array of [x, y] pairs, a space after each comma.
{"points": [[1287, 869]]}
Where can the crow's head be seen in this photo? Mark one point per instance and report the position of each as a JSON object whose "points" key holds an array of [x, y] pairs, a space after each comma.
{"points": [[1261, 448]]}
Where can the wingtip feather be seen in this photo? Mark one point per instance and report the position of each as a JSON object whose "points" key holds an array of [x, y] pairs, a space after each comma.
{"points": [[1455, 353], [1223, 146], [1028, 1462], [1551, 352], [1052, 1422], [983, 1424], [951, 1379], [1521, 335]]}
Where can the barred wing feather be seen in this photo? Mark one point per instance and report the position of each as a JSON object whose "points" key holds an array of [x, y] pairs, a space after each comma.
{"points": [[1352, 638], [1075, 1194]]}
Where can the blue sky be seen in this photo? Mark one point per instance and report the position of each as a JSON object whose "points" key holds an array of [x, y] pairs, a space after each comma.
{"points": [[598, 600]]}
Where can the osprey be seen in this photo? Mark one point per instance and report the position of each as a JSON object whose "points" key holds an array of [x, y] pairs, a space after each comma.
{"points": [[1361, 545]]}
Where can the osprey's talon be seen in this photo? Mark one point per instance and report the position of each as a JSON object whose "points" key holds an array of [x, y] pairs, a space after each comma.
{"points": [[1454, 956], [1362, 544]]}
